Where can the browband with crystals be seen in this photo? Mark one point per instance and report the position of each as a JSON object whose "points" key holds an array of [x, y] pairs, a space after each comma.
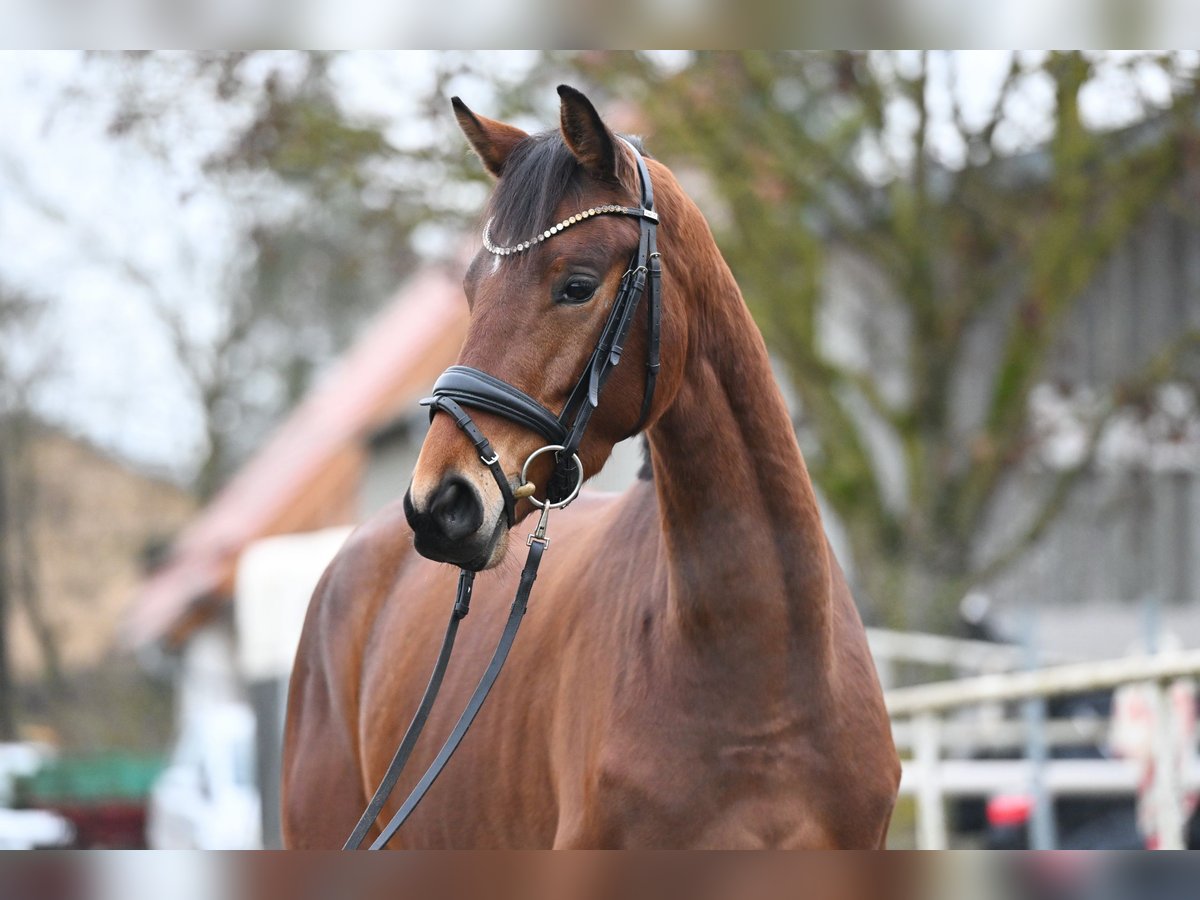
{"points": [[610, 209]]}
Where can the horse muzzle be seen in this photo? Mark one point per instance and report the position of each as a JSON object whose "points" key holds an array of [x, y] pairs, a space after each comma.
{"points": [[452, 525]]}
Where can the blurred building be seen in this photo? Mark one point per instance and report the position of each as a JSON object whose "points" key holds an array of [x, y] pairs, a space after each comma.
{"points": [[1119, 561], [1122, 559], [81, 523], [76, 529]]}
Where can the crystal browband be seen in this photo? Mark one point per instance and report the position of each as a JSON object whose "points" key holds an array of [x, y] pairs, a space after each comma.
{"points": [[610, 209]]}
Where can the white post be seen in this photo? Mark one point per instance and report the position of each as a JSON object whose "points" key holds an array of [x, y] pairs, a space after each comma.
{"points": [[1168, 786], [931, 810]]}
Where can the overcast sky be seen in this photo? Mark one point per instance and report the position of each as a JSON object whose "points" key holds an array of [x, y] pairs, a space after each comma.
{"points": [[88, 200]]}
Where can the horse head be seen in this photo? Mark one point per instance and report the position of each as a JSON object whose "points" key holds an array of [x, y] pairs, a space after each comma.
{"points": [[556, 290]]}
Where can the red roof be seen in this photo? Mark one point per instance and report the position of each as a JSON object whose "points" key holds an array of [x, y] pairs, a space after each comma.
{"points": [[307, 475]]}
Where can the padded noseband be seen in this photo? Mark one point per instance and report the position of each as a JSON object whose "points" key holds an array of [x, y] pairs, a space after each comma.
{"points": [[479, 390]]}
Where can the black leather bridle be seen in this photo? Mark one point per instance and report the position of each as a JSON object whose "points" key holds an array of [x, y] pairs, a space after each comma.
{"points": [[461, 386], [464, 386]]}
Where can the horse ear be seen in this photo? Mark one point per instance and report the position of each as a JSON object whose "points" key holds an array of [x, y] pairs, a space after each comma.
{"points": [[492, 140], [587, 136]]}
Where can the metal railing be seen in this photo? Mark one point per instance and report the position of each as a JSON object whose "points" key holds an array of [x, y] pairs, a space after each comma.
{"points": [[889, 646], [918, 714]]}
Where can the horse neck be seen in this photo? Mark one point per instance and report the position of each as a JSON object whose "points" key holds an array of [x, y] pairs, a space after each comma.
{"points": [[748, 560]]}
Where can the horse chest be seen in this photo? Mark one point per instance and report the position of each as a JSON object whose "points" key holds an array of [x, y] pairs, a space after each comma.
{"points": [[671, 786]]}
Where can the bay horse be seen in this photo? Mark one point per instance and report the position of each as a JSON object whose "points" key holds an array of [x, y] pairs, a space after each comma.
{"points": [[694, 672]]}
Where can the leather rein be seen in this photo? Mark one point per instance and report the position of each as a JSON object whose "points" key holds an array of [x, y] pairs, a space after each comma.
{"points": [[464, 386]]}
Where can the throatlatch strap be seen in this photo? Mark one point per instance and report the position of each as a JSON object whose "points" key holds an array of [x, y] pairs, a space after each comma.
{"points": [[654, 297], [462, 605], [515, 615], [653, 330]]}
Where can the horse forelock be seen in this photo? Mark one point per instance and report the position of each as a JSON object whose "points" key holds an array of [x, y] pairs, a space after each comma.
{"points": [[540, 176]]}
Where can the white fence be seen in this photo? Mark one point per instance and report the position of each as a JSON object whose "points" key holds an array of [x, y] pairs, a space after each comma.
{"points": [[920, 723]]}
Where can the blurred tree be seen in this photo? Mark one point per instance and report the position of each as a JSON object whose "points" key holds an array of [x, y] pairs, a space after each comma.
{"points": [[322, 226], [23, 362], [7, 720], [808, 155], [957, 216]]}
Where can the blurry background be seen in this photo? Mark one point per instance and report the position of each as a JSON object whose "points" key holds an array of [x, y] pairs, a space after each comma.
{"points": [[226, 279]]}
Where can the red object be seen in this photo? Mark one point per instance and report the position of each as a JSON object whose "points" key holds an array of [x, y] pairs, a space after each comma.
{"points": [[1009, 810], [105, 826]]}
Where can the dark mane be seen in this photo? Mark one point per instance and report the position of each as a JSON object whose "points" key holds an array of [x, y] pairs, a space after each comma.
{"points": [[538, 176]]}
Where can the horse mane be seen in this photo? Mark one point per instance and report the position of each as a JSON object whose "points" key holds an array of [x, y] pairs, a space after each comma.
{"points": [[539, 175]]}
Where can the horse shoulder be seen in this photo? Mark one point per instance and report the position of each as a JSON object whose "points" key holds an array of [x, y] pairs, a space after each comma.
{"points": [[323, 791]]}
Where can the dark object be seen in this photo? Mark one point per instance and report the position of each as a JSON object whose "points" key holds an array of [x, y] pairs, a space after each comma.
{"points": [[1008, 822], [115, 825]]}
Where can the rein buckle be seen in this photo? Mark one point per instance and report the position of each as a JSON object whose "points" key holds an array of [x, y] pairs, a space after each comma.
{"points": [[539, 533]]}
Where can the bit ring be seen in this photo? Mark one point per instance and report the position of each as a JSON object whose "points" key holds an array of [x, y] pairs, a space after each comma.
{"points": [[546, 504]]}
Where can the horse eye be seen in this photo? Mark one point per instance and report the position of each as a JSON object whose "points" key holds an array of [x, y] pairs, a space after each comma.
{"points": [[577, 290]]}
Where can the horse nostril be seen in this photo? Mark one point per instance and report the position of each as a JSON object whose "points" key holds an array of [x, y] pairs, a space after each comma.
{"points": [[456, 509]]}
